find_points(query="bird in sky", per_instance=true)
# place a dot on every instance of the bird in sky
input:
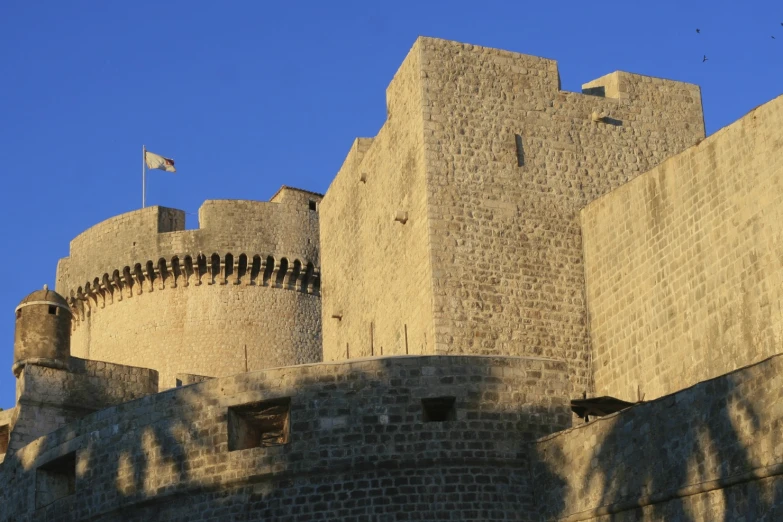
(704, 59)
(699, 30)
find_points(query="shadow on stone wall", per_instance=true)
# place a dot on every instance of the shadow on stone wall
(358, 448)
(700, 454)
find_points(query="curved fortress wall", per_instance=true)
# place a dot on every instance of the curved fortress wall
(355, 442)
(239, 293)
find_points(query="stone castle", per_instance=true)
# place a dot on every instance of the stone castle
(513, 303)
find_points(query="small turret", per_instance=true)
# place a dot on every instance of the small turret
(43, 331)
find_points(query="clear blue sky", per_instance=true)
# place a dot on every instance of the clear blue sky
(247, 96)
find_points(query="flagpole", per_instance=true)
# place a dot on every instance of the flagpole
(143, 176)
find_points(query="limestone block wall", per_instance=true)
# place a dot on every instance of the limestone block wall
(684, 265)
(711, 452)
(6, 420)
(377, 284)
(239, 293)
(359, 446)
(496, 163)
(510, 161)
(50, 398)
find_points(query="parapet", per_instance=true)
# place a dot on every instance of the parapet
(387, 423)
(49, 398)
(284, 228)
(702, 450)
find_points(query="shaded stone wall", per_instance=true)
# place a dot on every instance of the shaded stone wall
(710, 452)
(49, 398)
(358, 446)
(242, 292)
(684, 265)
(6, 420)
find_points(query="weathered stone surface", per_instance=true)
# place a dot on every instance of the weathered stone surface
(710, 452)
(456, 328)
(684, 265)
(358, 446)
(492, 163)
(142, 297)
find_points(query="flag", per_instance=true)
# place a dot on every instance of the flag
(159, 162)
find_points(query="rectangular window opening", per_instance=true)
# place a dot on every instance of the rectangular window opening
(18, 313)
(52, 310)
(313, 205)
(438, 409)
(260, 424)
(5, 438)
(55, 480)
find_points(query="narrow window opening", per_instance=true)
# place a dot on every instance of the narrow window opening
(520, 150)
(438, 409)
(313, 205)
(259, 424)
(52, 310)
(5, 437)
(19, 313)
(55, 480)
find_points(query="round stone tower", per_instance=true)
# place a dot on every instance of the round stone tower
(239, 293)
(43, 331)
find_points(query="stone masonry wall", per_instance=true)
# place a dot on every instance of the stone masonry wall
(495, 164)
(358, 447)
(286, 229)
(214, 330)
(241, 292)
(50, 398)
(510, 160)
(6, 420)
(710, 452)
(377, 277)
(685, 264)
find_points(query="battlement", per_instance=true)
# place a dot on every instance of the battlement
(284, 228)
(473, 69)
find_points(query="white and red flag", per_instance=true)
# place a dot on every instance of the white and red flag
(155, 161)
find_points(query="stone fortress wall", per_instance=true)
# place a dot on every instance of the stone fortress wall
(685, 264)
(382, 304)
(50, 398)
(359, 444)
(456, 229)
(239, 293)
(713, 451)
(489, 162)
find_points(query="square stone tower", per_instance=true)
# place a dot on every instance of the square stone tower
(456, 229)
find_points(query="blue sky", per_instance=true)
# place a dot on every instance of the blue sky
(247, 96)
